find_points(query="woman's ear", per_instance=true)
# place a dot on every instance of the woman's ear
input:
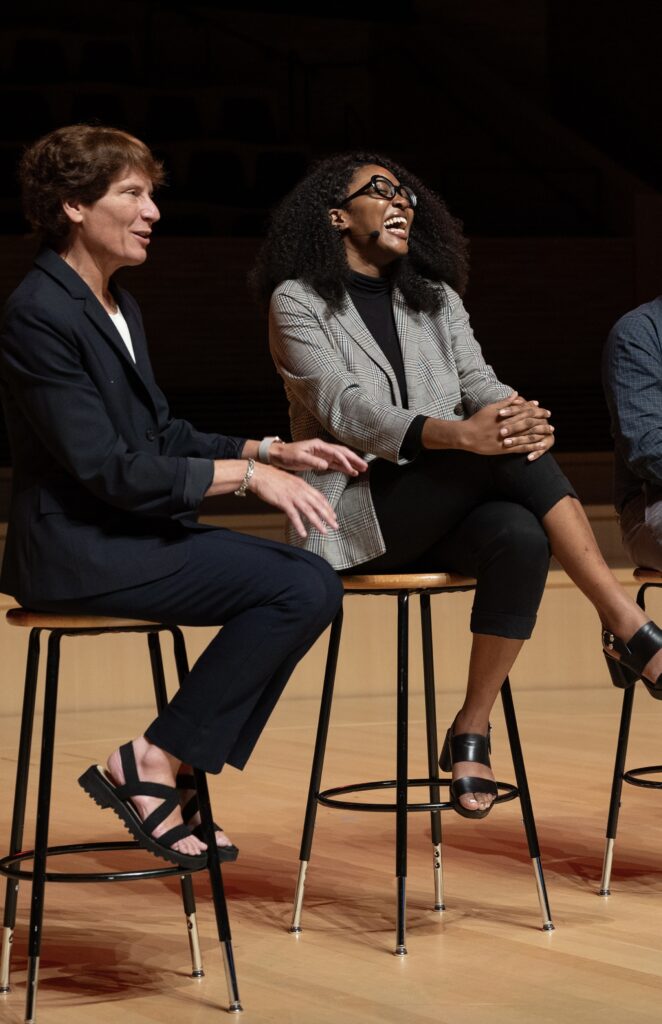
(338, 219)
(73, 211)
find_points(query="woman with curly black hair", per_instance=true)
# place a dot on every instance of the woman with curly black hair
(364, 268)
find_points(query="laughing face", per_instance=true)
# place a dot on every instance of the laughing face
(375, 229)
(115, 230)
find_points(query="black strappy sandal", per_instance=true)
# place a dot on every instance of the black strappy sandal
(186, 781)
(468, 746)
(633, 657)
(98, 784)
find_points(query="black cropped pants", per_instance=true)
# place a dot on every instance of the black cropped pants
(477, 515)
(272, 600)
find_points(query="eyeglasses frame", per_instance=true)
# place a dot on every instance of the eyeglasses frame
(402, 190)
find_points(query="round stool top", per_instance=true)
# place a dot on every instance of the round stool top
(55, 620)
(407, 581)
(647, 576)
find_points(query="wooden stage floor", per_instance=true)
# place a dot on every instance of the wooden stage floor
(119, 952)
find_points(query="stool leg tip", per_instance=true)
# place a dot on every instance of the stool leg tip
(4, 989)
(400, 951)
(548, 927)
(439, 907)
(235, 1007)
(604, 892)
(198, 974)
(296, 929)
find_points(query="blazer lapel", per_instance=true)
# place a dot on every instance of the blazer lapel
(351, 322)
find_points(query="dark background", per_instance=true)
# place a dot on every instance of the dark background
(537, 121)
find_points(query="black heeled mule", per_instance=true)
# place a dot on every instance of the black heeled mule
(633, 657)
(468, 746)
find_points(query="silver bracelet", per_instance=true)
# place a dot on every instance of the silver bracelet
(241, 489)
(265, 445)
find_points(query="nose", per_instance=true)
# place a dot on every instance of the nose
(150, 211)
(400, 202)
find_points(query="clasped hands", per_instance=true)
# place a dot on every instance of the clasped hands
(512, 425)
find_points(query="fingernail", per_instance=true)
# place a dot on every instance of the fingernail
(508, 440)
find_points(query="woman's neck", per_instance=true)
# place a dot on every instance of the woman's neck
(96, 277)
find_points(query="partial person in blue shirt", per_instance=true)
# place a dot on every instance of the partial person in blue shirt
(632, 378)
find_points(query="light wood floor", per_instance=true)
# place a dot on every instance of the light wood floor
(119, 952)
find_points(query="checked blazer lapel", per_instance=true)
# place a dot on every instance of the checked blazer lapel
(351, 322)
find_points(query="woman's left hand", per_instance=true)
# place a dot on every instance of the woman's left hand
(316, 454)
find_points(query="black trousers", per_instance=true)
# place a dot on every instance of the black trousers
(473, 514)
(273, 602)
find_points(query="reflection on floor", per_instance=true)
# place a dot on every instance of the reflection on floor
(120, 952)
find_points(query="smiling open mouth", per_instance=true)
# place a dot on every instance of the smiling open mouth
(397, 226)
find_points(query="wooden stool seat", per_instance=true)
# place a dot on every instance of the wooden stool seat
(414, 582)
(647, 575)
(12, 866)
(403, 586)
(55, 620)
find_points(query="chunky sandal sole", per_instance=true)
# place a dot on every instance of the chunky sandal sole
(99, 787)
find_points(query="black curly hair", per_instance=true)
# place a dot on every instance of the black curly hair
(301, 242)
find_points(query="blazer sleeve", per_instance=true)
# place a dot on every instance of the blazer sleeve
(317, 375)
(45, 376)
(632, 378)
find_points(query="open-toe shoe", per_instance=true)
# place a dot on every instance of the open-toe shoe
(98, 784)
(633, 657)
(468, 746)
(186, 781)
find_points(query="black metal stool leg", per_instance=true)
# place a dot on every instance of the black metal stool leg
(188, 898)
(401, 772)
(525, 803)
(218, 893)
(433, 751)
(20, 797)
(41, 833)
(616, 789)
(317, 766)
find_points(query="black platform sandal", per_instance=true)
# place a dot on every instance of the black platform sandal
(468, 746)
(98, 784)
(633, 657)
(185, 781)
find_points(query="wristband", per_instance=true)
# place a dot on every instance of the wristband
(241, 489)
(265, 445)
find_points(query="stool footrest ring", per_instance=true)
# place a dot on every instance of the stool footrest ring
(631, 776)
(329, 797)
(7, 864)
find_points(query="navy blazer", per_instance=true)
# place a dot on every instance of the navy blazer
(105, 482)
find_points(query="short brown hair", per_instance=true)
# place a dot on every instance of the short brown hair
(77, 163)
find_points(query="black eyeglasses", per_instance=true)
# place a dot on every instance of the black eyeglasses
(385, 189)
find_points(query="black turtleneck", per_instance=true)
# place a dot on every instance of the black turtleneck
(372, 298)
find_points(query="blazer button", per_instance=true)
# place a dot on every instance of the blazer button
(150, 434)
(459, 409)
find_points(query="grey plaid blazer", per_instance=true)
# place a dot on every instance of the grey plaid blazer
(341, 387)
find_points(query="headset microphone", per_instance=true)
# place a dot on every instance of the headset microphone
(374, 234)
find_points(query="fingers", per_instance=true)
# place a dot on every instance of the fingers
(313, 506)
(529, 434)
(318, 455)
(531, 412)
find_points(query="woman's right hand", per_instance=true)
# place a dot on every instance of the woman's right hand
(294, 497)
